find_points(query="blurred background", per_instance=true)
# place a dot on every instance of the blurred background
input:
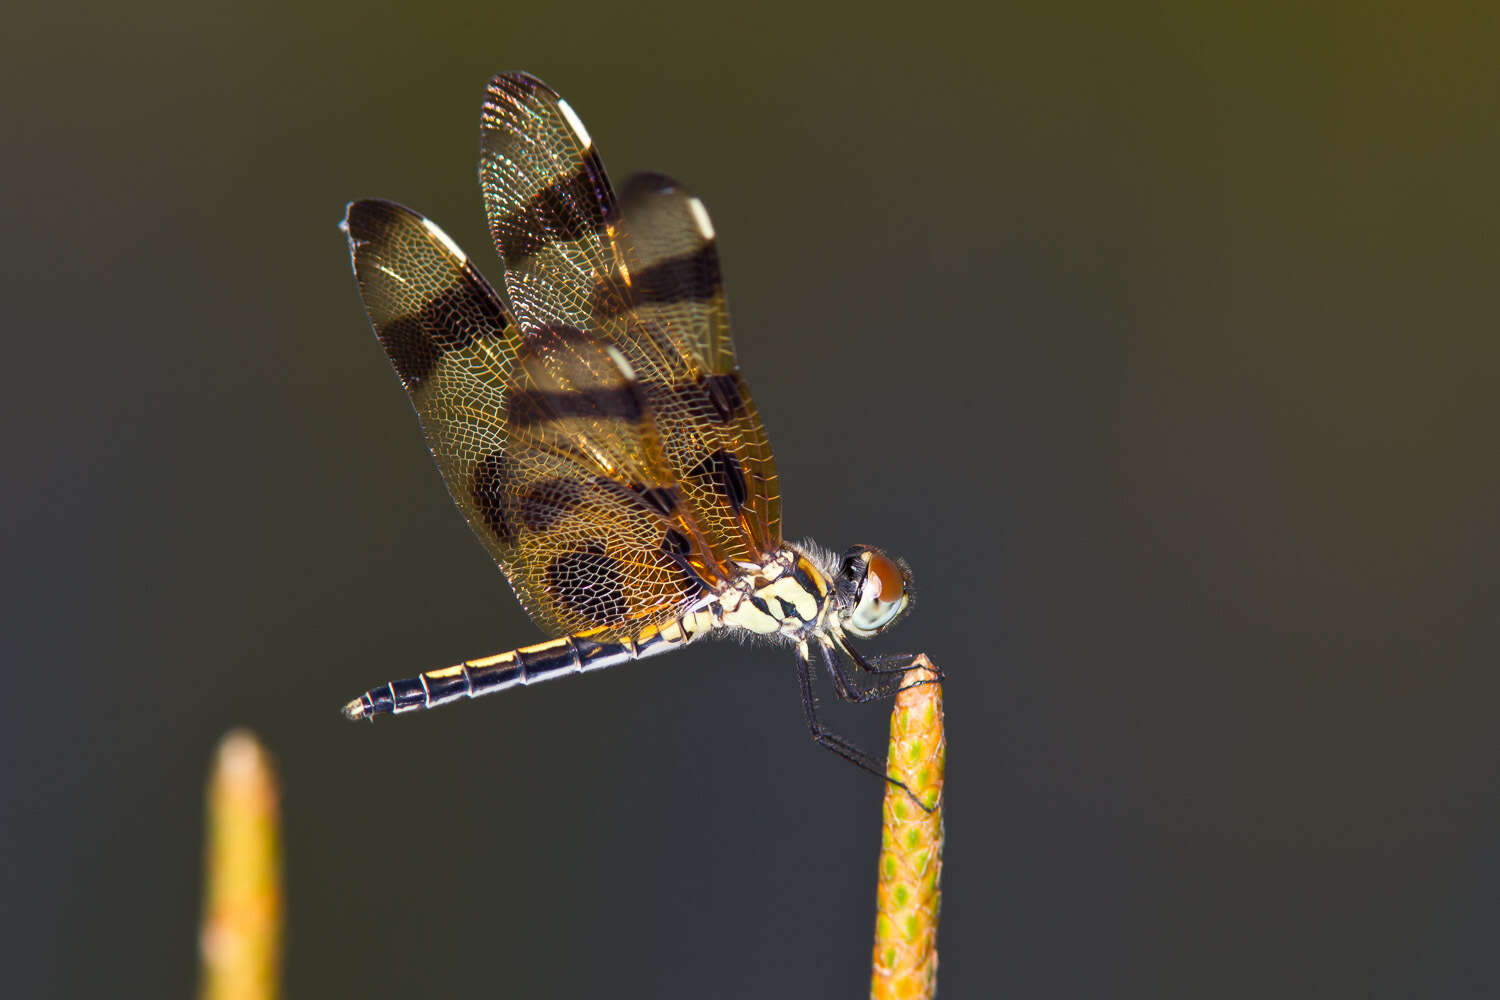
(1160, 340)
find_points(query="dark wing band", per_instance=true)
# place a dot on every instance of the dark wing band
(581, 551)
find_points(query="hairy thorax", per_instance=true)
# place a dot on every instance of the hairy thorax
(784, 597)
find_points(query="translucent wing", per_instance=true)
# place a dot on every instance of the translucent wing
(548, 202)
(641, 276)
(597, 436)
(667, 269)
(671, 276)
(521, 438)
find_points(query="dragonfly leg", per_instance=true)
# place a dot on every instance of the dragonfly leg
(895, 663)
(832, 741)
(886, 665)
(886, 687)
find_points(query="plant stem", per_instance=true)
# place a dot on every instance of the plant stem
(240, 941)
(911, 844)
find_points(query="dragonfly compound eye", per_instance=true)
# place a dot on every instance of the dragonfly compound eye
(875, 588)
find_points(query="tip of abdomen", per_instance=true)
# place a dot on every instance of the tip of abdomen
(358, 709)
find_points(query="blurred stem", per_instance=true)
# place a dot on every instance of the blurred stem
(907, 892)
(240, 942)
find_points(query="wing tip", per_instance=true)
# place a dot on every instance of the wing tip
(521, 79)
(364, 217)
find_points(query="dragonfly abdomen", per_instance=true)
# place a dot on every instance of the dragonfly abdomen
(574, 654)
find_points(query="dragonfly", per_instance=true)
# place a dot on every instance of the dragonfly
(594, 427)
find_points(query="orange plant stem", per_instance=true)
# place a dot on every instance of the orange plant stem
(908, 890)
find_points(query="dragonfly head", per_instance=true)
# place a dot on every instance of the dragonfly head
(873, 590)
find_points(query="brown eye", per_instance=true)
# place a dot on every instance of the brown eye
(889, 576)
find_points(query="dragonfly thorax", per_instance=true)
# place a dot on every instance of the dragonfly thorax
(796, 592)
(787, 595)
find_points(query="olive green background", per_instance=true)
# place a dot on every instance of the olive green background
(1161, 340)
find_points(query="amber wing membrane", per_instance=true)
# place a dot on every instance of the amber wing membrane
(667, 266)
(581, 553)
(642, 276)
(548, 201)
